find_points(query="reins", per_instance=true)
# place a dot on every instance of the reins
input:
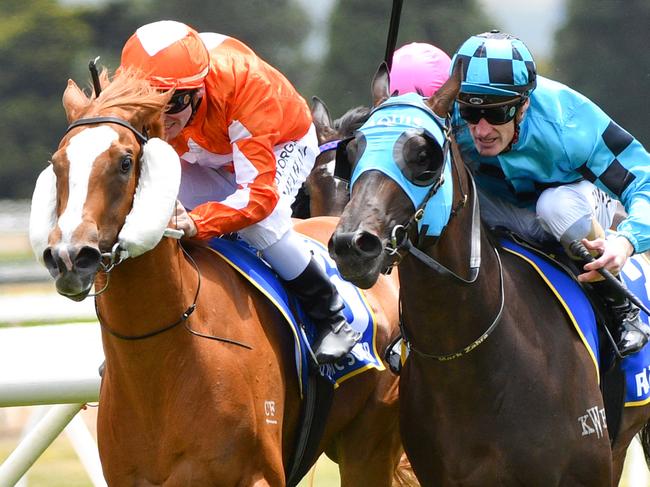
(396, 244)
(465, 350)
(183, 318)
(404, 244)
(186, 314)
(117, 255)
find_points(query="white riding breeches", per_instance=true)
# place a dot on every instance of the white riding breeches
(563, 213)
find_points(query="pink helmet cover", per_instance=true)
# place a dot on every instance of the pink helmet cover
(419, 67)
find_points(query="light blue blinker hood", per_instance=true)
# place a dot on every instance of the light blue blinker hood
(383, 130)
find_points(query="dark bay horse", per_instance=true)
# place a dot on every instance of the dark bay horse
(326, 193)
(497, 387)
(199, 386)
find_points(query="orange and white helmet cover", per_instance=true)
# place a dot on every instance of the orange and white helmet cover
(169, 53)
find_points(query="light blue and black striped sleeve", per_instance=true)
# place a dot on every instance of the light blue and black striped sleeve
(607, 155)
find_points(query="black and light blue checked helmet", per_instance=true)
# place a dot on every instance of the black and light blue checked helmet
(496, 67)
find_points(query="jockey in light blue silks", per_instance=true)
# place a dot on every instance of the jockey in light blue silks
(548, 162)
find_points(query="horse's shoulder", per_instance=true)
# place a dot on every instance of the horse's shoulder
(319, 228)
(207, 260)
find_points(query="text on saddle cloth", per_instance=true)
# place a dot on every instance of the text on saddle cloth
(358, 313)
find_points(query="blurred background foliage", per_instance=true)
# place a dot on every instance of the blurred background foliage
(600, 51)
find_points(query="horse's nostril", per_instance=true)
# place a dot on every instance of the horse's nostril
(50, 262)
(368, 244)
(342, 242)
(87, 258)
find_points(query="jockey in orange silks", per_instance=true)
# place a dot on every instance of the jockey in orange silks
(246, 142)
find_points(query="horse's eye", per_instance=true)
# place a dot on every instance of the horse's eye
(419, 157)
(125, 163)
(423, 157)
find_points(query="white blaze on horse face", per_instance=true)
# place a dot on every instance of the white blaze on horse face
(331, 166)
(82, 151)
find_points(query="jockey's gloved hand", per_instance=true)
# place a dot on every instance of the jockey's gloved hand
(612, 254)
(183, 221)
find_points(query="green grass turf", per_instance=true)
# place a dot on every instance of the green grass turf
(59, 466)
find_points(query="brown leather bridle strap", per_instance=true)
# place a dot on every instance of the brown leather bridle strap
(93, 120)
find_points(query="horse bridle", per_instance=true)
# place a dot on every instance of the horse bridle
(332, 145)
(142, 137)
(117, 255)
(398, 245)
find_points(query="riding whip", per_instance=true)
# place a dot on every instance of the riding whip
(92, 66)
(578, 249)
(393, 28)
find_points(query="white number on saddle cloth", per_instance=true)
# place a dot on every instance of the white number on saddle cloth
(636, 274)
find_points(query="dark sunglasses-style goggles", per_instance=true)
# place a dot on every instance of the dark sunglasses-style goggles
(494, 115)
(179, 101)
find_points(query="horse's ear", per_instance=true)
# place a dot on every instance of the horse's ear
(74, 101)
(380, 86)
(442, 101)
(320, 113)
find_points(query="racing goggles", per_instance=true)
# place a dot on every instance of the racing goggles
(494, 115)
(179, 101)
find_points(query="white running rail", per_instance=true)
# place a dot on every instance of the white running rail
(55, 365)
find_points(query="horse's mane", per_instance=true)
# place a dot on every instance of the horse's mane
(352, 120)
(129, 91)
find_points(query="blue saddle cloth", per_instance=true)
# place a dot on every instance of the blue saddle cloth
(358, 313)
(635, 274)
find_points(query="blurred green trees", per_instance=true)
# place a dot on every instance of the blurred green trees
(602, 52)
(274, 29)
(358, 30)
(39, 43)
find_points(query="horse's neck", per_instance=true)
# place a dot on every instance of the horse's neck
(146, 294)
(446, 313)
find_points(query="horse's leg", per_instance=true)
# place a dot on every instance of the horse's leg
(368, 450)
(634, 419)
(258, 483)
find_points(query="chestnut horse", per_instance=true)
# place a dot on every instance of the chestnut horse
(497, 380)
(214, 401)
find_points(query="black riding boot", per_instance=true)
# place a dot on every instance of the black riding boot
(322, 302)
(631, 333)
